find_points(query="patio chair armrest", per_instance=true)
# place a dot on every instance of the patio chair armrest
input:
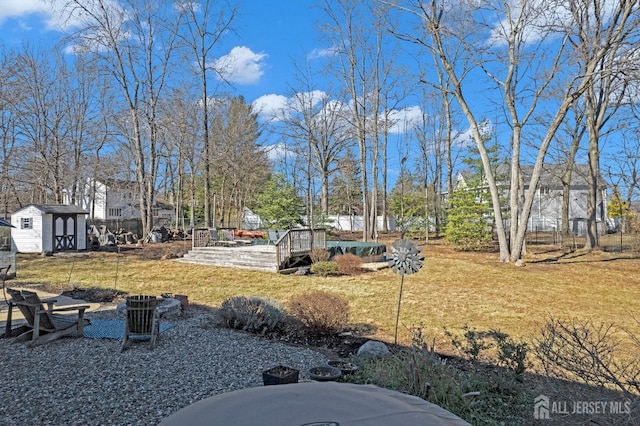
(80, 308)
(49, 302)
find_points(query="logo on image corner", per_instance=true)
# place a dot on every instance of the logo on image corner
(541, 407)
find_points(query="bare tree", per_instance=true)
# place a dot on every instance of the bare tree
(180, 136)
(318, 122)
(132, 42)
(8, 143)
(598, 27)
(205, 25)
(509, 55)
(46, 122)
(353, 45)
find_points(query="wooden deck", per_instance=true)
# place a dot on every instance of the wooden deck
(253, 257)
(288, 253)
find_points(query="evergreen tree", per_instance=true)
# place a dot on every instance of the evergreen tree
(467, 224)
(407, 203)
(470, 214)
(278, 204)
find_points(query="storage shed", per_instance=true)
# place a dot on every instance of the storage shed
(49, 228)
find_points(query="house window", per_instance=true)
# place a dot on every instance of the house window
(115, 212)
(26, 223)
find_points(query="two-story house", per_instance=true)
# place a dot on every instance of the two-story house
(118, 200)
(546, 212)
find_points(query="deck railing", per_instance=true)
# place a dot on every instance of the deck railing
(294, 244)
(299, 242)
(200, 237)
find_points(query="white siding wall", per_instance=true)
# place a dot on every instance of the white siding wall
(99, 203)
(47, 233)
(39, 239)
(81, 232)
(27, 240)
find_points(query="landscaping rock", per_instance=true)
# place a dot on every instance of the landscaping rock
(303, 270)
(373, 349)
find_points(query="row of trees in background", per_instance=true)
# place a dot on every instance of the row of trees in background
(137, 92)
(113, 101)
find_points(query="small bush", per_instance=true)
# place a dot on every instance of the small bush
(252, 314)
(479, 395)
(319, 255)
(510, 353)
(320, 312)
(348, 264)
(589, 352)
(473, 342)
(325, 268)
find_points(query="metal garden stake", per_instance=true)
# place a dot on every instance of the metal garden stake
(406, 259)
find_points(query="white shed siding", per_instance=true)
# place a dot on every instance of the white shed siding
(41, 238)
(81, 233)
(27, 240)
(47, 233)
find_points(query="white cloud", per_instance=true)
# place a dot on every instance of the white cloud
(305, 100)
(20, 8)
(56, 15)
(327, 52)
(241, 65)
(406, 119)
(272, 107)
(279, 151)
(278, 107)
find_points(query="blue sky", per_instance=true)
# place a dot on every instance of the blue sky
(270, 36)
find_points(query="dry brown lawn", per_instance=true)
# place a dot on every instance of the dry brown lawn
(452, 290)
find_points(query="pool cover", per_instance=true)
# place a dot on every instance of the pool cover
(359, 248)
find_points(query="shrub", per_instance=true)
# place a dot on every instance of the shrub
(473, 342)
(589, 352)
(252, 314)
(320, 312)
(348, 264)
(478, 394)
(325, 268)
(510, 353)
(319, 255)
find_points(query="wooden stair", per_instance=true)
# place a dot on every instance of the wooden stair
(253, 257)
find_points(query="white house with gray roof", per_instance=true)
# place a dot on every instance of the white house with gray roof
(49, 228)
(546, 212)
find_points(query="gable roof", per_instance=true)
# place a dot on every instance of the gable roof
(57, 209)
(552, 174)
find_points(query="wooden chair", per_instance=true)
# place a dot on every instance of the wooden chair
(45, 325)
(142, 319)
(228, 238)
(213, 237)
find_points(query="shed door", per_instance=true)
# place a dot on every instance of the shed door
(64, 228)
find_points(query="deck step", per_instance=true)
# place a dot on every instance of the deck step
(259, 258)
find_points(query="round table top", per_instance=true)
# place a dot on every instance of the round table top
(314, 403)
